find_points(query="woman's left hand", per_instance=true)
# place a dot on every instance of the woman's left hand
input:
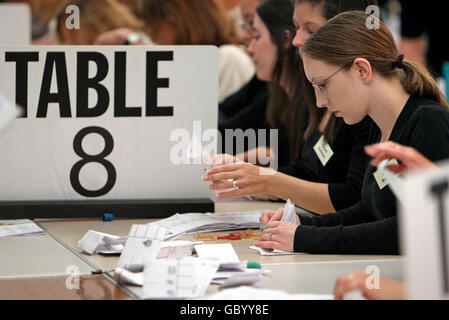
(278, 235)
(249, 179)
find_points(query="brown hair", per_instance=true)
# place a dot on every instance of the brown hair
(197, 22)
(346, 37)
(290, 113)
(99, 16)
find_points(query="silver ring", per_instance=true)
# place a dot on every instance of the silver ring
(234, 184)
(271, 236)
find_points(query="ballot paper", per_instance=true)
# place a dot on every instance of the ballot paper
(142, 246)
(251, 293)
(8, 112)
(208, 222)
(98, 242)
(394, 181)
(175, 249)
(275, 252)
(14, 228)
(289, 214)
(198, 155)
(224, 253)
(187, 277)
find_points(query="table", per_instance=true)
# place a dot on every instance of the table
(305, 273)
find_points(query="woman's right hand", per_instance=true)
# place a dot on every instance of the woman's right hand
(271, 216)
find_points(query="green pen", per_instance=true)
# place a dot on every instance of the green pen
(253, 265)
(263, 228)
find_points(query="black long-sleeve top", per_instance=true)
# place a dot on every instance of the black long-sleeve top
(370, 226)
(344, 171)
(246, 109)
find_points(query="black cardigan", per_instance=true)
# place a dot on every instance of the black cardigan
(344, 171)
(370, 227)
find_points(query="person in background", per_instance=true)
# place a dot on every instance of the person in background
(200, 22)
(316, 185)
(357, 72)
(96, 17)
(424, 34)
(254, 94)
(235, 14)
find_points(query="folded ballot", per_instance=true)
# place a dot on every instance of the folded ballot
(99, 242)
(208, 222)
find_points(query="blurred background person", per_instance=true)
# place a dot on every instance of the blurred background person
(200, 22)
(96, 17)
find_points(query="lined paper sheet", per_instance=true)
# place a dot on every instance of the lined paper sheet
(187, 277)
(142, 246)
(15, 228)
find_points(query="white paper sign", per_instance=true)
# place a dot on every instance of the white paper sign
(424, 230)
(106, 122)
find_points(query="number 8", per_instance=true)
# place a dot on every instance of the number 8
(86, 158)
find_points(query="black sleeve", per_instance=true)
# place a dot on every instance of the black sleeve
(345, 194)
(377, 237)
(350, 216)
(351, 231)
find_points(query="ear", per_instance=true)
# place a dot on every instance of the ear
(363, 69)
(288, 38)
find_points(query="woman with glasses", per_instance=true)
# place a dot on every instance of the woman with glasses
(325, 158)
(358, 72)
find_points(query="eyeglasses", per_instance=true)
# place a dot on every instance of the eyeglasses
(247, 26)
(320, 87)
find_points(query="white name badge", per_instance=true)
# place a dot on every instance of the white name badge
(323, 150)
(103, 122)
(381, 180)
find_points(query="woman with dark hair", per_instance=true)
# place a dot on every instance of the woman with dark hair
(358, 72)
(326, 161)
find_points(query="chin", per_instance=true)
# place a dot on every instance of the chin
(351, 121)
(263, 77)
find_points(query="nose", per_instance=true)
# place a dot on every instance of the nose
(300, 38)
(251, 47)
(321, 100)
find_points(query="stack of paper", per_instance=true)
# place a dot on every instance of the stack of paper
(14, 228)
(209, 222)
(231, 271)
(187, 277)
(250, 293)
(142, 246)
(98, 242)
(221, 252)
